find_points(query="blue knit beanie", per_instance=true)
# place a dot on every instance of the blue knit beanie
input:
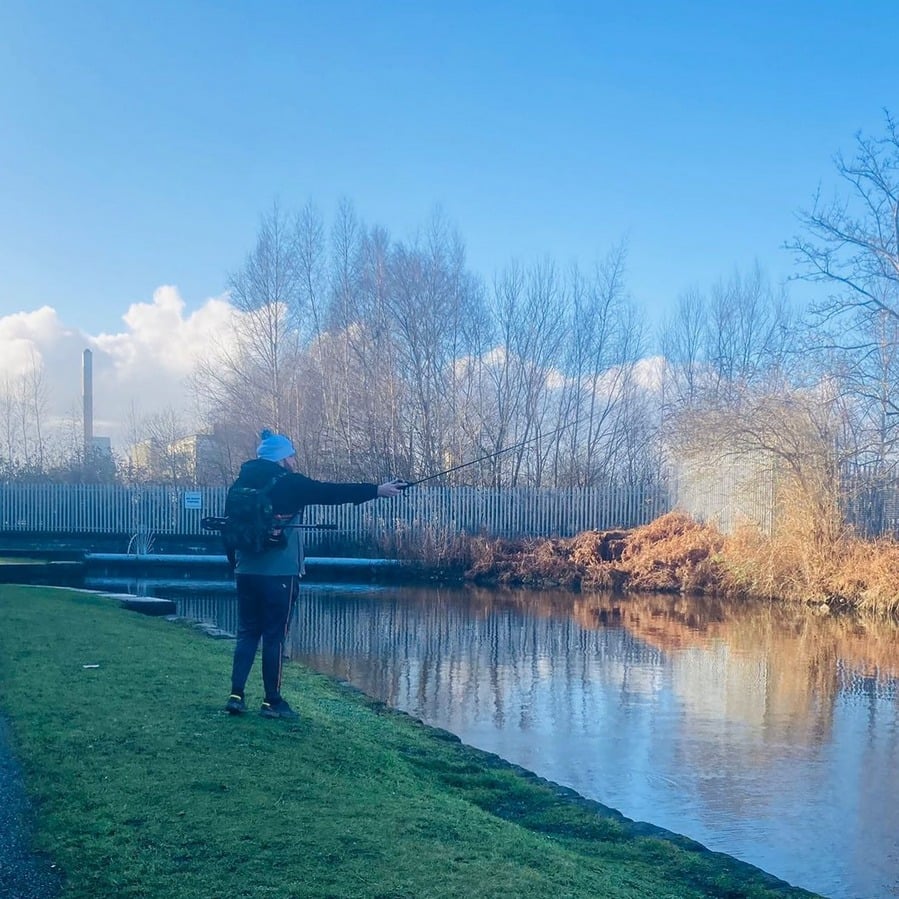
(274, 447)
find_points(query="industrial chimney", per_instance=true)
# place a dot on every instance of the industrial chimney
(87, 396)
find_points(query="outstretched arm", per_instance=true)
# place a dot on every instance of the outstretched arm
(296, 490)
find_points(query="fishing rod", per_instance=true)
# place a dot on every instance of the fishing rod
(507, 449)
(215, 523)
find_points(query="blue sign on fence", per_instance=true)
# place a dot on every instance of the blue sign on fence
(193, 499)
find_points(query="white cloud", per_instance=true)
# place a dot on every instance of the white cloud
(159, 334)
(24, 336)
(650, 372)
(143, 366)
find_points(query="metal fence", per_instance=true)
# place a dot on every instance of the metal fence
(871, 504)
(514, 512)
(728, 492)
(724, 496)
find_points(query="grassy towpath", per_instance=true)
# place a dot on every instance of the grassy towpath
(144, 787)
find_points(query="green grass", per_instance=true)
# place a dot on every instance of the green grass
(144, 787)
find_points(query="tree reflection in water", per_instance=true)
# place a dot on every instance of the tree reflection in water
(765, 731)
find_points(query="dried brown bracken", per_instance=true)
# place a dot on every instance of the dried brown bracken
(672, 554)
(676, 554)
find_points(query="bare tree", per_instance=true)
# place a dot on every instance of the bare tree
(516, 376)
(384, 404)
(268, 292)
(738, 337)
(603, 345)
(430, 299)
(257, 368)
(373, 352)
(501, 392)
(539, 336)
(851, 243)
(790, 437)
(9, 412)
(34, 401)
(682, 343)
(850, 246)
(338, 403)
(731, 400)
(311, 386)
(750, 332)
(158, 440)
(23, 408)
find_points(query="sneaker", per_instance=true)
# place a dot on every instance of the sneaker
(235, 704)
(278, 709)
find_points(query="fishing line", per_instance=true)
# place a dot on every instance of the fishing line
(507, 449)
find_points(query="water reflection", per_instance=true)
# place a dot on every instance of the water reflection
(765, 732)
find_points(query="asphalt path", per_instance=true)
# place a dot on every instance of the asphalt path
(24, 874)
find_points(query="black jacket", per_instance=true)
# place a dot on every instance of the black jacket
(290, 495)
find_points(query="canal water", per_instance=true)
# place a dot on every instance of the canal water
(765, 732)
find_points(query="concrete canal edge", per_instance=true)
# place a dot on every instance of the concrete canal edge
(215, 567)
(103, 569)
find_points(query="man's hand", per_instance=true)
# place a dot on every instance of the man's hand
(392, 488)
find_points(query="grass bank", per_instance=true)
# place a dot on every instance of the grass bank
(144, 787)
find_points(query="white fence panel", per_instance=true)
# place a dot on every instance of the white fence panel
(516, 512)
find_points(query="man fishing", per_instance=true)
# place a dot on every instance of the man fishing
(268, 575)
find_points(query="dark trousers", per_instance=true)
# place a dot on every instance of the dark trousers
(263, 611)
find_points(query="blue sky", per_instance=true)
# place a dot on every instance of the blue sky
(141, 142)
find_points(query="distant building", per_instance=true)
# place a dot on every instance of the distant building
(197, 459)
(201, 456)
(146, 457)
(97, 447)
